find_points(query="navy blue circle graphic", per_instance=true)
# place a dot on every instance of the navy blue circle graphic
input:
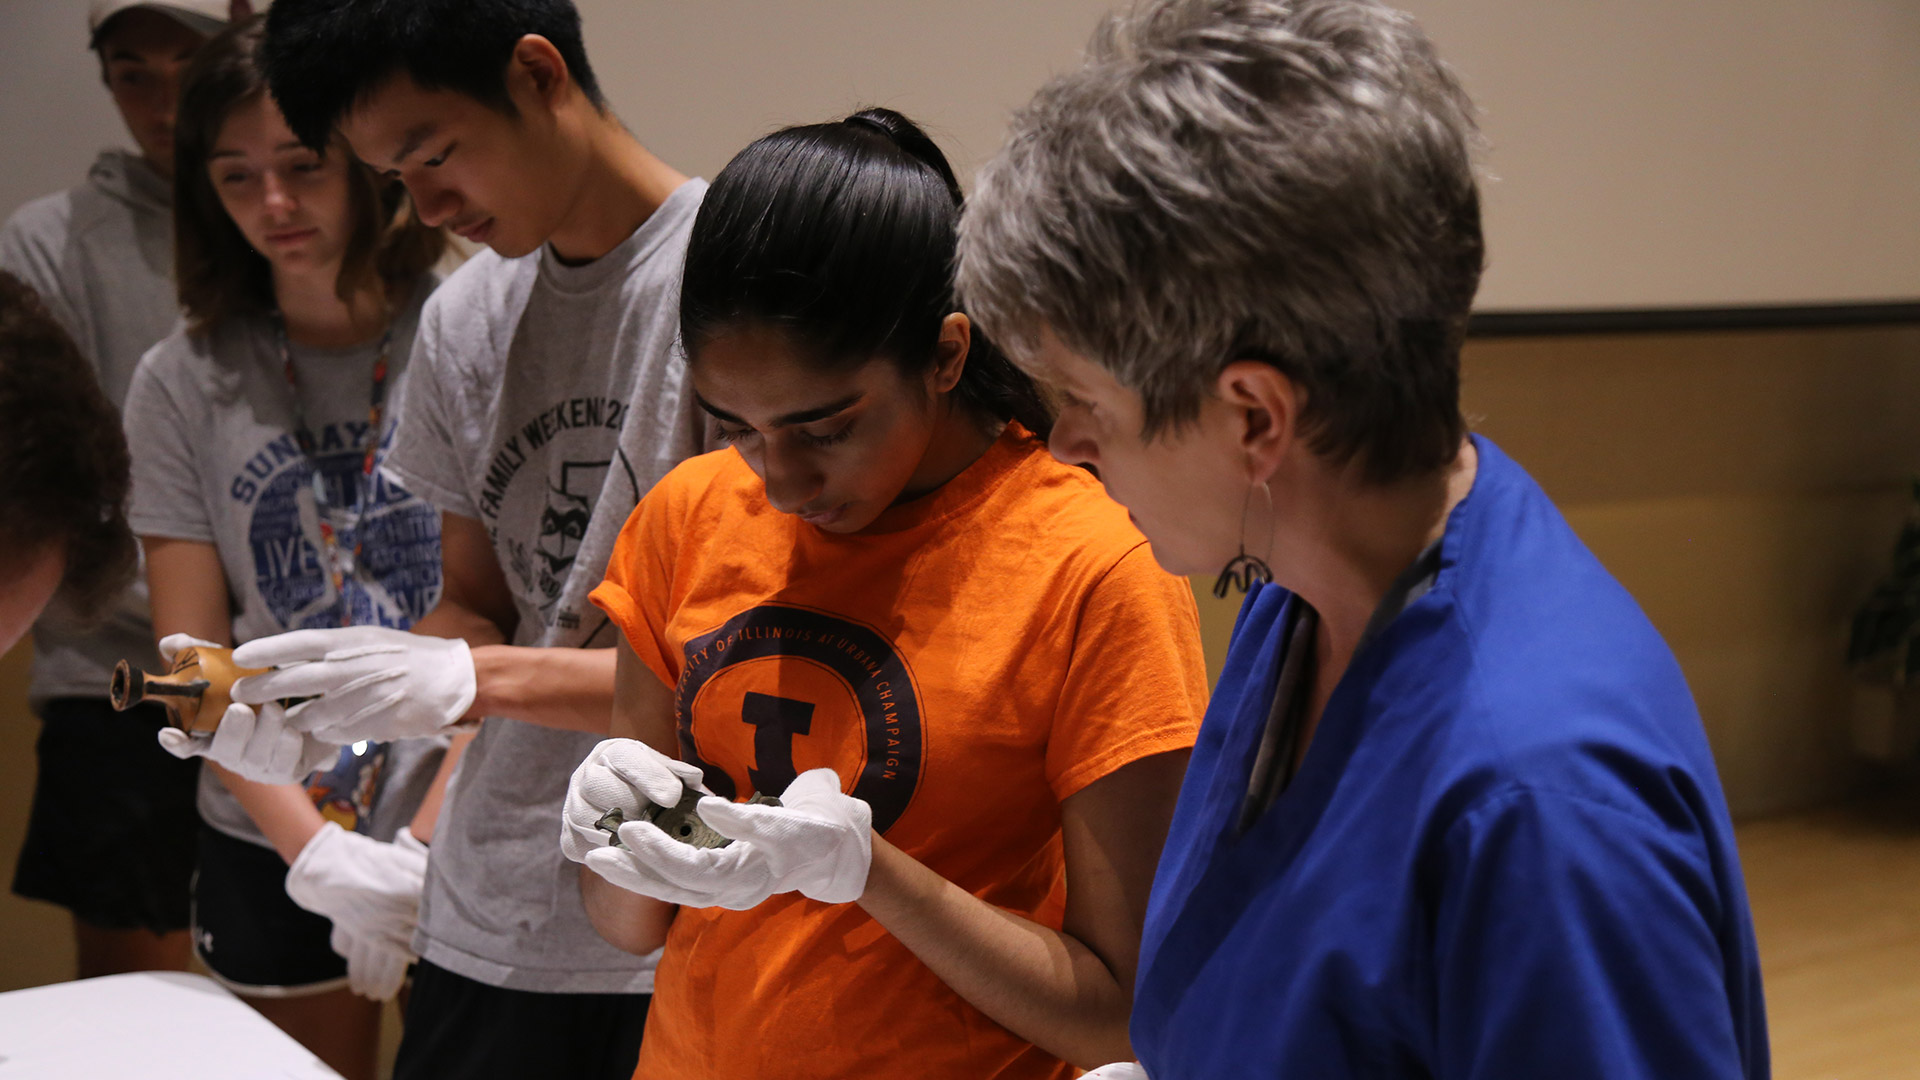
(881, 683)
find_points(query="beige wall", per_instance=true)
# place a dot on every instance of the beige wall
(1654, 153)
(1643, 152)
(55, 114)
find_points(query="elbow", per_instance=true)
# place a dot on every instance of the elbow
(1102, 1035)
(1103, 1044)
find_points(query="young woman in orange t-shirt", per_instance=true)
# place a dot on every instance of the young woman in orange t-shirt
(951, 657)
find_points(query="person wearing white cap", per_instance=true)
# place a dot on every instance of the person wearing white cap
(111, 832)
(203, 17)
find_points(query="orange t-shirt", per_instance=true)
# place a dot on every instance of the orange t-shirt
(969, 661)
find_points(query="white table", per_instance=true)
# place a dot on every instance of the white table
(153, 1025)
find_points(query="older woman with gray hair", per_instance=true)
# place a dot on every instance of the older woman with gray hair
(1452, 812)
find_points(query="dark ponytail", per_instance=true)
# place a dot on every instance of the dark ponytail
(841, 236)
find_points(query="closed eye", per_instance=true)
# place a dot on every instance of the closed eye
(845, 432)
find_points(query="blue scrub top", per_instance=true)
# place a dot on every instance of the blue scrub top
(1505, 856)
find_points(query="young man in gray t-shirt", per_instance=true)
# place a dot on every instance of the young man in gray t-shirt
(110, 836)
(546, 398)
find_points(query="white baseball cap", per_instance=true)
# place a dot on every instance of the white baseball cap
(207, 17)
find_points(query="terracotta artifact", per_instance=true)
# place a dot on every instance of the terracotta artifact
(195, 693)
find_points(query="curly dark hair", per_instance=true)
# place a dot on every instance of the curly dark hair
(63, 456)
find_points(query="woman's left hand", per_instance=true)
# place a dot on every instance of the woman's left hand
(817, 842)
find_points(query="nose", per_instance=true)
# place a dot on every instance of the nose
(792, 481)
(1071, 443)
(167, 94)
(280, 202)
(435, 205)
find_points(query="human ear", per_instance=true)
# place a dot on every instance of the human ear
(1266, 408)
(539, 68)
(950, 353)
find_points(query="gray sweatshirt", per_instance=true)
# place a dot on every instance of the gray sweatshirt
(101, 257)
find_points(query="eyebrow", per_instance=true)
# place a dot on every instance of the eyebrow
(415, 137)
(804, 416)
(294, 145)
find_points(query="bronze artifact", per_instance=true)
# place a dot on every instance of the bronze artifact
(678, 821)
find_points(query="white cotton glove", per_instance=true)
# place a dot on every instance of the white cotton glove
(817, 842)
(257, 744)
(374, 970)
(624, 775)
(1119, 1070)
(367, 682)
(371, 891)
(171, 645)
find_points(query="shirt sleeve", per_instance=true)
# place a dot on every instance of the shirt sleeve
(168, 497)
(1136, 685)
(1576, 940)
(425, 456)
(637, 591)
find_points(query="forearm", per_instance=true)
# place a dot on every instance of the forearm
(570, 689)
(638, 924)
(451, 619)
(284, 813)
(1041, 984)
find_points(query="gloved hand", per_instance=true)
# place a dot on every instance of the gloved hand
(374, 970)
(367, 682)
(624, 775)
(1119, 1070)
(258, 745)
(371, 891)
(817, 842)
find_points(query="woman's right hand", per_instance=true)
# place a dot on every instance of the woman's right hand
(625, 775)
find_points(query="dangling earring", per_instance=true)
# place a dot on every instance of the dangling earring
(1246, 569)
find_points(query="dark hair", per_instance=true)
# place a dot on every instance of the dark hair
(217, 272)
(323, 56)
(841, 237)
(63, 455)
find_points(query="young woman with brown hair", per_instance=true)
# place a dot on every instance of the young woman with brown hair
(260, 503)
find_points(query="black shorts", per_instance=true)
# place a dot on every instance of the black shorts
(459, 1027)
(111, 833)
(251, 936)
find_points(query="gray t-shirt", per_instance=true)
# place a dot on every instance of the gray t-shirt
(219, 463)
(101, 257)
(546, 400)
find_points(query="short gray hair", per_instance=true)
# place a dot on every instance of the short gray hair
(1286, 180)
